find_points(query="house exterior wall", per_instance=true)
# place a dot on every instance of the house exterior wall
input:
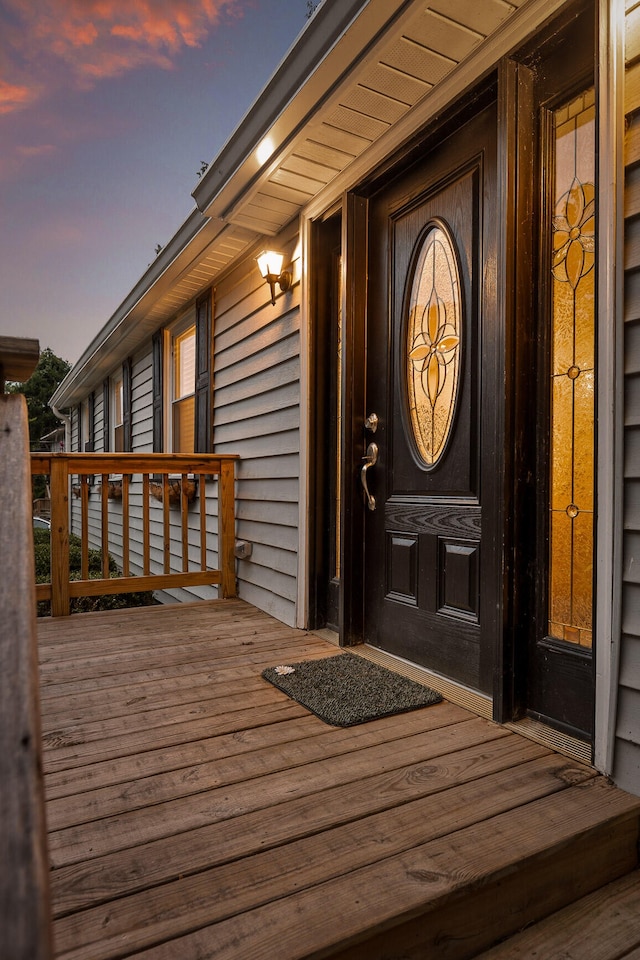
(626, 770)
(256, 373)
(257, 415)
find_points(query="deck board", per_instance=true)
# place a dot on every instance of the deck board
(197, 775)
(602, 926)
(195, 811)
(265, 877)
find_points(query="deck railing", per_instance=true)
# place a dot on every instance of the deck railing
(25, 914)
(106, 486)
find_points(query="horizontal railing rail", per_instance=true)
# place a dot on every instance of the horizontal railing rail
(119, 478)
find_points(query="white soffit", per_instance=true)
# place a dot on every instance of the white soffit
(422, 46)
(338, 124)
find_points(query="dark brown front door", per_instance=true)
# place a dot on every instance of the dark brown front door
(433, 440)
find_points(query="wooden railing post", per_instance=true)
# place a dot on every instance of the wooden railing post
(59, 536)
(227, 528)
(25, 917)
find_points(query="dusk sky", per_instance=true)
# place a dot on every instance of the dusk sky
(107, 108)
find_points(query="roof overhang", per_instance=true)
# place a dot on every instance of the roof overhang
(362, 78)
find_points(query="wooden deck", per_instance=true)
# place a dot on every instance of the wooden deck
(194, 811)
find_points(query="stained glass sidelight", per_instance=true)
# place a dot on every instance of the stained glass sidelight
(572, 372)
(434, 334)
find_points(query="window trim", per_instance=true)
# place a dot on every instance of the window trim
(177, 330)
(116, 422)
(200, 315)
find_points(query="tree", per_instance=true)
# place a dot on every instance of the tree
(38, 390)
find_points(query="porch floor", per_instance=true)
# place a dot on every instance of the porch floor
(195, 811)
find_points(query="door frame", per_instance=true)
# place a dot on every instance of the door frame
(610, 69)
(515, 206)
(608, 582)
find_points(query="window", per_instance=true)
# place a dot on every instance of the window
(183, 386)
(78, 428)
(572, 373)
(118, 409)
(117, 405)
(182, 397)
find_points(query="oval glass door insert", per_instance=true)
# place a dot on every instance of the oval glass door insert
(434, 342)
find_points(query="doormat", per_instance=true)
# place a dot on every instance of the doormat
(347, 689)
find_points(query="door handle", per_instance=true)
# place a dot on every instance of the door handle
(370, 460)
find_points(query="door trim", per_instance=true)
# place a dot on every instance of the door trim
(518, 108)
(516, 254)
(355, 232)
(610, 399)
(610, 303)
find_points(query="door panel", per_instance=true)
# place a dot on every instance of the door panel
(433, 360)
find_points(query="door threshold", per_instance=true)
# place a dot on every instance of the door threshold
(554, 739)
(478, 703)
(325, 633)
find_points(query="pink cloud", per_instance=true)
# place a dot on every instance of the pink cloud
(37, 150)
(15, 96)
(96, 39)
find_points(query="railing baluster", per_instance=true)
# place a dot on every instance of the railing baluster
(202, 501)
(166, 524)
(105, 526)
(184, 519)
(146, 548)
(125, 524)
(59, 536)
(84, 527)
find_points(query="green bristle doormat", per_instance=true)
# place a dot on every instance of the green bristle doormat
(347, 689)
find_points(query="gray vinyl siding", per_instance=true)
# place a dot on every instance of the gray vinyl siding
(257, 415)
(141, 404)
(98, 421)
(626, 769)
(142, 442)
(256, 384)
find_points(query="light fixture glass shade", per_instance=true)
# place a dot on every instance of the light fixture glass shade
(270, 263)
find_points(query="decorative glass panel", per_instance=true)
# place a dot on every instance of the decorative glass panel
(572, 372)
(118, 407)
(184, 354)
(434, 343)
(184, 425)
(184, 382)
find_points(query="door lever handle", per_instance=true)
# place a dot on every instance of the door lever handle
(370, 460)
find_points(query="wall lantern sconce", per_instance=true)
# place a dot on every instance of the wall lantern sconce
(270, 267)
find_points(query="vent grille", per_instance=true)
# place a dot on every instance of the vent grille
(554, 739)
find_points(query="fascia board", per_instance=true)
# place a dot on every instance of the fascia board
(502, 42)
(105, 349)
(334, 41)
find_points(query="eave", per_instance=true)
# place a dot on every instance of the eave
(360, 80)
